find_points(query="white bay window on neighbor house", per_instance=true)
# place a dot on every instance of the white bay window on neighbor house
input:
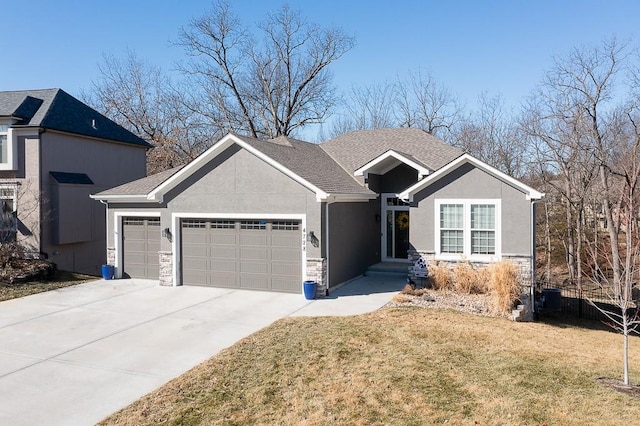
(467, 229)
(4, 148)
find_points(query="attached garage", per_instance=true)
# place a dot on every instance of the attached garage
(141, 244)
(248, 254)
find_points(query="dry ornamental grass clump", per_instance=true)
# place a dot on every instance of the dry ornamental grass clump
(504, 285)
(499, 279)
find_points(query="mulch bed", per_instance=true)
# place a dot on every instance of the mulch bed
(618, 385)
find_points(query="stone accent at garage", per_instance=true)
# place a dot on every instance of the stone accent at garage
(111, 255)
(525, 273)
(166, 268)
(317, 271)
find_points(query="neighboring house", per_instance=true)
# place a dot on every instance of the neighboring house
(54, 152)
(268, 215)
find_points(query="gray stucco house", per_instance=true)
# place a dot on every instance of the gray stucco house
(54, 152)
(270, 214)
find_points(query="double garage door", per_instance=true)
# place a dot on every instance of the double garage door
(249, 254)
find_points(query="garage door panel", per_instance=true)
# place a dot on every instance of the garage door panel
(285, 255)
(254, 267)
(281, 240)
(197, 263)
(288, 285)
(220, 265)
(230, 240)
(195, 237)
(196, 277)
(255, 254)
(281, 268)
(196, 250)
(141, 244)
(224, 252)
(220, 279)
(254, 282)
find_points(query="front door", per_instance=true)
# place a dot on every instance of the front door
(395, 231)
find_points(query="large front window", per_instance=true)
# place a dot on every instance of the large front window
(467, 228)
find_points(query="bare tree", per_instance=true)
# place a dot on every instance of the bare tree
(263, 88)
(591, 139)
(142, 99)
(493, 136)
(365, 107)
(424, 103)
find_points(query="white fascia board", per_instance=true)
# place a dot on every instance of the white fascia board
(348, 198)
(217, 148)
(122, 198)
(391, 153)
(531, 194)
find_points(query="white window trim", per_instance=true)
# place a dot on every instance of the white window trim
(466, 209)
(12, 152)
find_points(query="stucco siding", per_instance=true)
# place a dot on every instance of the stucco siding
(354, 239)
(107, 164)
(237, 182)
(469, 182)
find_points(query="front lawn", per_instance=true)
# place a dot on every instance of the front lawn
(60, 279)
(402, 366)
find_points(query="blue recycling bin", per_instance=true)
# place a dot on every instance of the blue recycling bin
(107, 272)
(310, 289)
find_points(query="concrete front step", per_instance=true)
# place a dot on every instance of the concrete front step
(388, 269)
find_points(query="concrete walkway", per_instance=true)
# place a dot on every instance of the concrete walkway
(75, 355)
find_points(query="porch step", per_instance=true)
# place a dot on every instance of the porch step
(388, 269)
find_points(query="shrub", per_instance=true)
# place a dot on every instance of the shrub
(401, 298)
(465, 278)
(504, 285)
(440, 276)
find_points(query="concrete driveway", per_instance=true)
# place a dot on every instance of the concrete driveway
(75, 355)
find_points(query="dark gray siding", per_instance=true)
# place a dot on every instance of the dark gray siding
(354, 239)
(394, 181)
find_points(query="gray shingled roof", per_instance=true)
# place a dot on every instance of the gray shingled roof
(330, 165)
(141, 186)
(354, 150)
(57, 110)
(310, 162)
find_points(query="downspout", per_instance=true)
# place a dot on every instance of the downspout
(326, 242)
(106, 214)
(532, 290)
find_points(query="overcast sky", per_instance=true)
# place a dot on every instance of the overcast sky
(502, 47)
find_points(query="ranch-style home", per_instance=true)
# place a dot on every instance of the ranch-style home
(54, 152)
(270, 214)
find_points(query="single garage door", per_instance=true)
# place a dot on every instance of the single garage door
(141, 245)
(249, 254)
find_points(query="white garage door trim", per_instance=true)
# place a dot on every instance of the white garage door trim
(177, 243)
(118, 218)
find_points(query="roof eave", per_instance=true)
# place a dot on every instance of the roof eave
(530, 193)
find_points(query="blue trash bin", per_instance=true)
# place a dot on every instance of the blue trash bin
(310, 289)
(108, 272)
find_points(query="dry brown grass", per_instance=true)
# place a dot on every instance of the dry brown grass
(61, 279)
(401, 298)
(440, 276)
(401, 366)
(468, 279)
(505, 288)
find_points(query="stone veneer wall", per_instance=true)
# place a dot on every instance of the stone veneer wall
(166, 268)
(317, 271)
(525, 275)
(111, 255)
